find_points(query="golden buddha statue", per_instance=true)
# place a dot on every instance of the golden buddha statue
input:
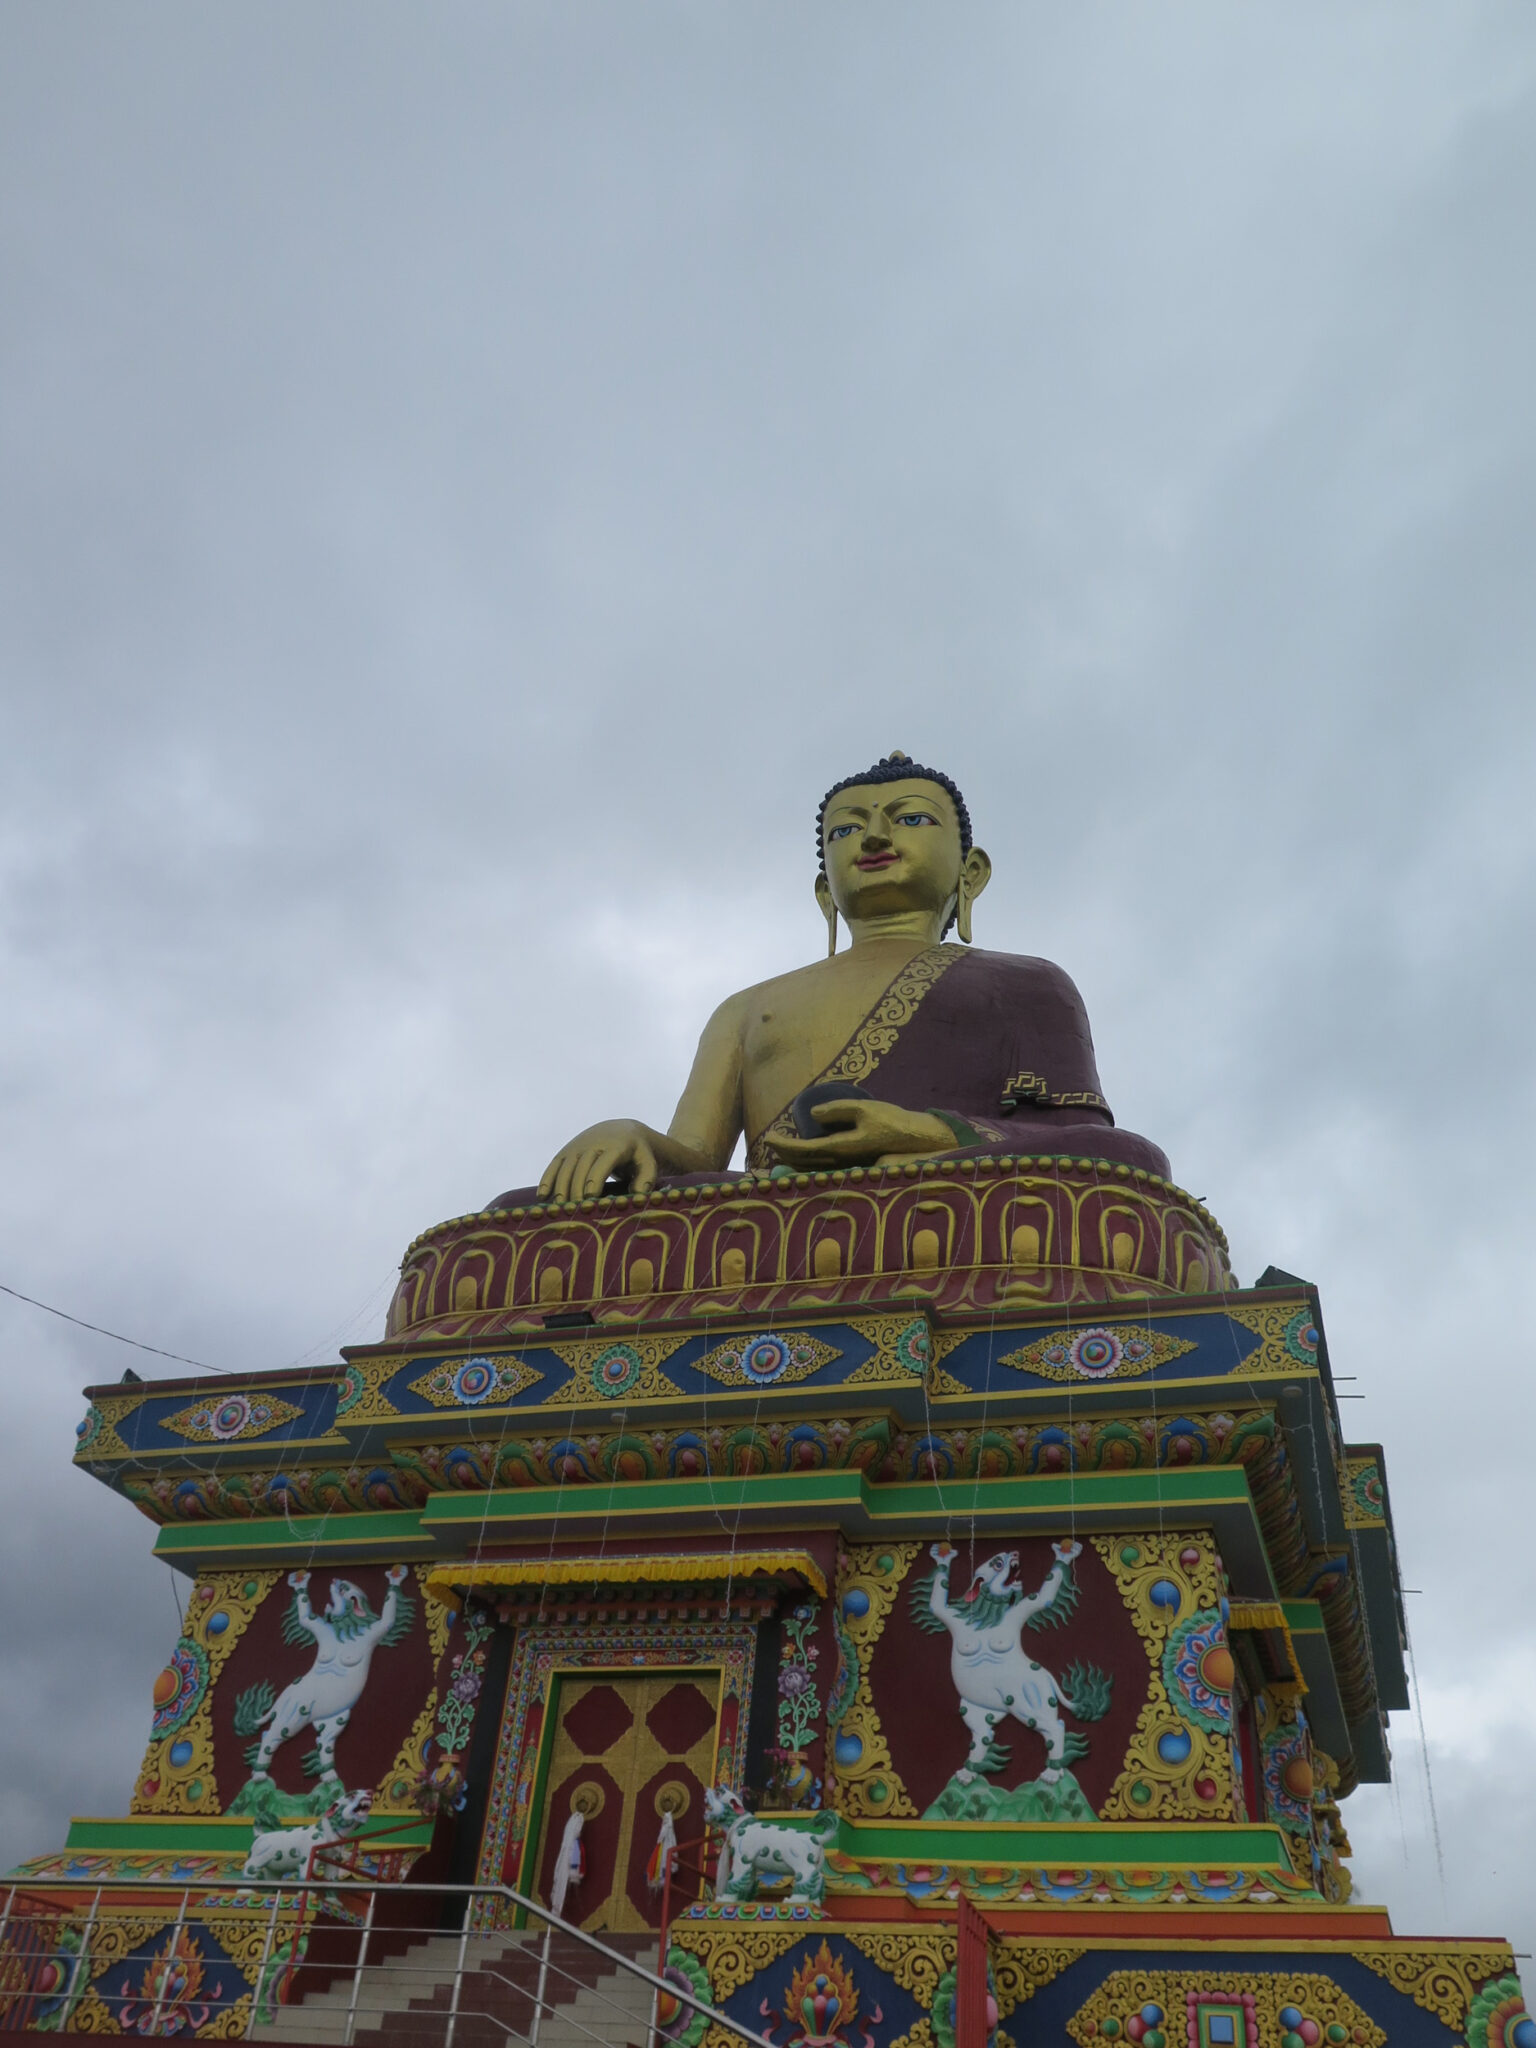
(901, 1047)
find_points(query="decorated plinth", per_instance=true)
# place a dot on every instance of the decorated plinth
(964, 1520)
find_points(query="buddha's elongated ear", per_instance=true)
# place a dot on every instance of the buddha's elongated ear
(828, 911)
(974, 877)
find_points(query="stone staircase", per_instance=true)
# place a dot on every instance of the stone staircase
(404, 2002)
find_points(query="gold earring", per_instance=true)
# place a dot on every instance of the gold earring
(829, 912)
(963, 912)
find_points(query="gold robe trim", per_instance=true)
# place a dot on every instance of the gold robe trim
(869, 1044)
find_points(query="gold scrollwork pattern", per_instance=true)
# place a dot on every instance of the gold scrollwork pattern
(409, 1763)
(1166, 1582)
(218, 1614)
(439, 1616)
(113, 1940)
(1019, 1970)
(865, 1784)
(1313, 1994)
(734, 1955)
(918, 2035)
(1287, 1338)
(1443, 1981)
(914, 1960)
(905, 1353)
(609, 1368)
(361, 1397)
(1365, 1497)
(870, 1043)
(98, 1435)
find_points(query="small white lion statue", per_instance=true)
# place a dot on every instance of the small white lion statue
(755, 1849)
(287, 1853)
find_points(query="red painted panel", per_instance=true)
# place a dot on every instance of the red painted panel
(399, 1680)
(680, 1717)
(918, 1703)
(598, 1719)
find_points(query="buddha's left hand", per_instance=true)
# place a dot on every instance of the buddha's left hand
(871, 1134)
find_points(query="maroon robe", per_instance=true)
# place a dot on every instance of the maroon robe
(998, 1040)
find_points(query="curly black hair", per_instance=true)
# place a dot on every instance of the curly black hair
(896, 768)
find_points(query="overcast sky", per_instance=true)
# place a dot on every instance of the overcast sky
(473, 475)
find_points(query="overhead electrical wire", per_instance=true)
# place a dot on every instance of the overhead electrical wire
(117, 1336)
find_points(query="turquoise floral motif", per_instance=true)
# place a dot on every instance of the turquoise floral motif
(89, 1428)
(1300, 1337)
(1497, 2017)
(1287, 1763)
(1197, 1671)
(617, 1369)
(913, 1349)
(353, 1387)
(1368, 1494)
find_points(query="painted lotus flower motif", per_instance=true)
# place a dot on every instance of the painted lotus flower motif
(822, 2005)
(171, 1993)
(1198, 1671)
(179, 1689)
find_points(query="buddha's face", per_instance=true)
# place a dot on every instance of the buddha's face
(892, 846)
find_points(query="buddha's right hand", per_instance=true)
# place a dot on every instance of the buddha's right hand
(620, 1149)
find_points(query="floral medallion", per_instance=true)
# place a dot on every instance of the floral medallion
(1498, 2018)
(767, 1360)
(1097, 1353)
(179, 1689)
(237, 1415)
(1300, 1337)
(1198, 1671)
(471, 1382)
(679, 2024)
(1288, 1778)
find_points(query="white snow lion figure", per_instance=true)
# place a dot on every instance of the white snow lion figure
(992, 1675)
(346, 1636)
(296, 1852)
(755, 1849)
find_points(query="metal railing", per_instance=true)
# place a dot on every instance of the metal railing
(337, 1957)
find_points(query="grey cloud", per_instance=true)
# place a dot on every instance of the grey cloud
(468, 489)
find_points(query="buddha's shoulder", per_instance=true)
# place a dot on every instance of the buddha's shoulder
(860, 972)
(1022, 975)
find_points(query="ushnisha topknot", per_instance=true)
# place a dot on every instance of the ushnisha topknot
(896, 767)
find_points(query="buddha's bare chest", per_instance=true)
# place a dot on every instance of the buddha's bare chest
(795, 1027)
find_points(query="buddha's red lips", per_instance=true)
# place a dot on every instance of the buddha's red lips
(876, 860)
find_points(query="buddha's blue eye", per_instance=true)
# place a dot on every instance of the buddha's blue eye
(841, 831)
(915, 818)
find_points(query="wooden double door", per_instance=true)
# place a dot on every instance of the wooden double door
(628, 1747)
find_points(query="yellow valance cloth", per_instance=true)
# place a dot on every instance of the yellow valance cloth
(1267, 1618)
(447, 1581)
